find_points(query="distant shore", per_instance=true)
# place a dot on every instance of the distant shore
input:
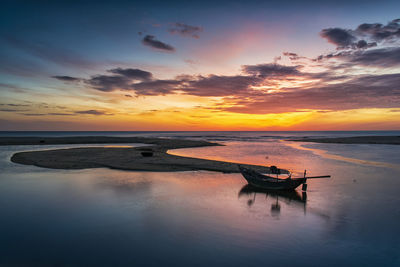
(160, 142)
(117, 157)
(382, 140)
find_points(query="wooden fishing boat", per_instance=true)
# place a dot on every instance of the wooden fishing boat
(263, 181)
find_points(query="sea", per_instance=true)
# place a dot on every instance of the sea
(106, 217)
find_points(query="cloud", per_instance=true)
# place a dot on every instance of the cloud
(271, 70)
(379, 32)
(12, 88)
(242, 93)
(8, 110)
(362, 44)
(365, 36)
(121, 80)
(149, 40)
(15, 105)
(370, 44)
(156, 87)
(340, 37)
(34, 114)
(66, 78)
(343, 83)
(185, 30)
(374, 91)
(292, 56)
(107, 83)
(211, 85)
(134, 74)
(380, 57)
(92, 112)
(190, 61)
(214, 85)
(48, 52)
(60, 114)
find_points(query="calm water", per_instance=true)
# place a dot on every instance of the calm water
(105, 217)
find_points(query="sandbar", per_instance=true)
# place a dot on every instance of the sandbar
(382, 140)
(121, 158)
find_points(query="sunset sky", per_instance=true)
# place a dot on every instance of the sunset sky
(207, 65)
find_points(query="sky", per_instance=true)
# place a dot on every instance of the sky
(204, 65)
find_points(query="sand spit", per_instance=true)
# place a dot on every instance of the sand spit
(382, 140)
(120, 158)
(160, 142)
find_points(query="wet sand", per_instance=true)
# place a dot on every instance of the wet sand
(120, 158)
(160, 142)
(382, 140)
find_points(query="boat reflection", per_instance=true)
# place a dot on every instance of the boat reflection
(287, 197)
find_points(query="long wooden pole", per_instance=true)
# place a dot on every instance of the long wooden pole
(313, 177)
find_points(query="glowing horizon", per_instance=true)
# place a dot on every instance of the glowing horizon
(251, 69)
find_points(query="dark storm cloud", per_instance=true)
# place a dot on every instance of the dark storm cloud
(66, 78)
(185, 30)
(135, 74)
(339, 37)
(149, 40)
(270, 70)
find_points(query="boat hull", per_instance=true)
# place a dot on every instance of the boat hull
(266, 182)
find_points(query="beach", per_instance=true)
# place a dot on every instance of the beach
(382, 140)
(126, 158)
(122, 158)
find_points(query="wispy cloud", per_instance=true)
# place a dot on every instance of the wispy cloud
(66, 78)
(46, 51)
(93, 112)
(149, 40)
(185, 30)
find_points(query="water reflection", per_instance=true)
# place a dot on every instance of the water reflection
(276, 197)
(103, 217)
(125, 186)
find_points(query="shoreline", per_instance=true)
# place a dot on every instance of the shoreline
(121, 158)
(167, 143)
(379, 140)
